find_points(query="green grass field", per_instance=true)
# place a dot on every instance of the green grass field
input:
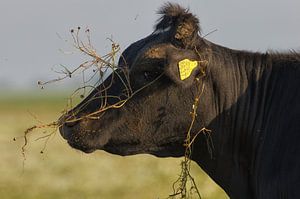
(61, 172)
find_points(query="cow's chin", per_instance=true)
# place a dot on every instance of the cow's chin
(158, 151)
(81, 148)
(74, 140)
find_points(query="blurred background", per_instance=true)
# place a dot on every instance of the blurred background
(35, 42)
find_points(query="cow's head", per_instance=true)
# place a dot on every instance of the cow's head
(162, 71)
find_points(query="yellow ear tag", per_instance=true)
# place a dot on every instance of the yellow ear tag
(186, 67)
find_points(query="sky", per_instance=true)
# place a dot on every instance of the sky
(34, 32)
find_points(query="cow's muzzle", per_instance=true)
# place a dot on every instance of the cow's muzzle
(66, 123)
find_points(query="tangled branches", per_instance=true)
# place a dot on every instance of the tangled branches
(99, 66)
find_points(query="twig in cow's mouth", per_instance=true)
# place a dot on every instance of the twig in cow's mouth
(99, 65)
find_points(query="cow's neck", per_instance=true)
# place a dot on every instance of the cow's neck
(230, 109)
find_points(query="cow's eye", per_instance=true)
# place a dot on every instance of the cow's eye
(150, 75)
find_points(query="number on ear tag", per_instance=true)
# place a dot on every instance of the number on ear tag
(186, 67)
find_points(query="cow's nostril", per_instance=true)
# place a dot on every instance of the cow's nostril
(66, 127)
(65, 132)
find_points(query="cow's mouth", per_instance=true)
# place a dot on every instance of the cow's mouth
(67, 132)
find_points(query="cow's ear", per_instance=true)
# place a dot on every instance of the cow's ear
(183, 66)
(182, 26)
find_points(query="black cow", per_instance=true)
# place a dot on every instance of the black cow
(250, 102)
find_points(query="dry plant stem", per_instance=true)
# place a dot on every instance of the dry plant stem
(101, 62)
(185, 175)
(29, 130)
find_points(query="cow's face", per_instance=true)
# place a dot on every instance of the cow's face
(156, 116)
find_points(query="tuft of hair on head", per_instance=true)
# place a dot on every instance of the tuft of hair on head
(172, 13)
(174, 17)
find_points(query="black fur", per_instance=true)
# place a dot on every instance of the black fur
(250, 103)
(182, 25)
